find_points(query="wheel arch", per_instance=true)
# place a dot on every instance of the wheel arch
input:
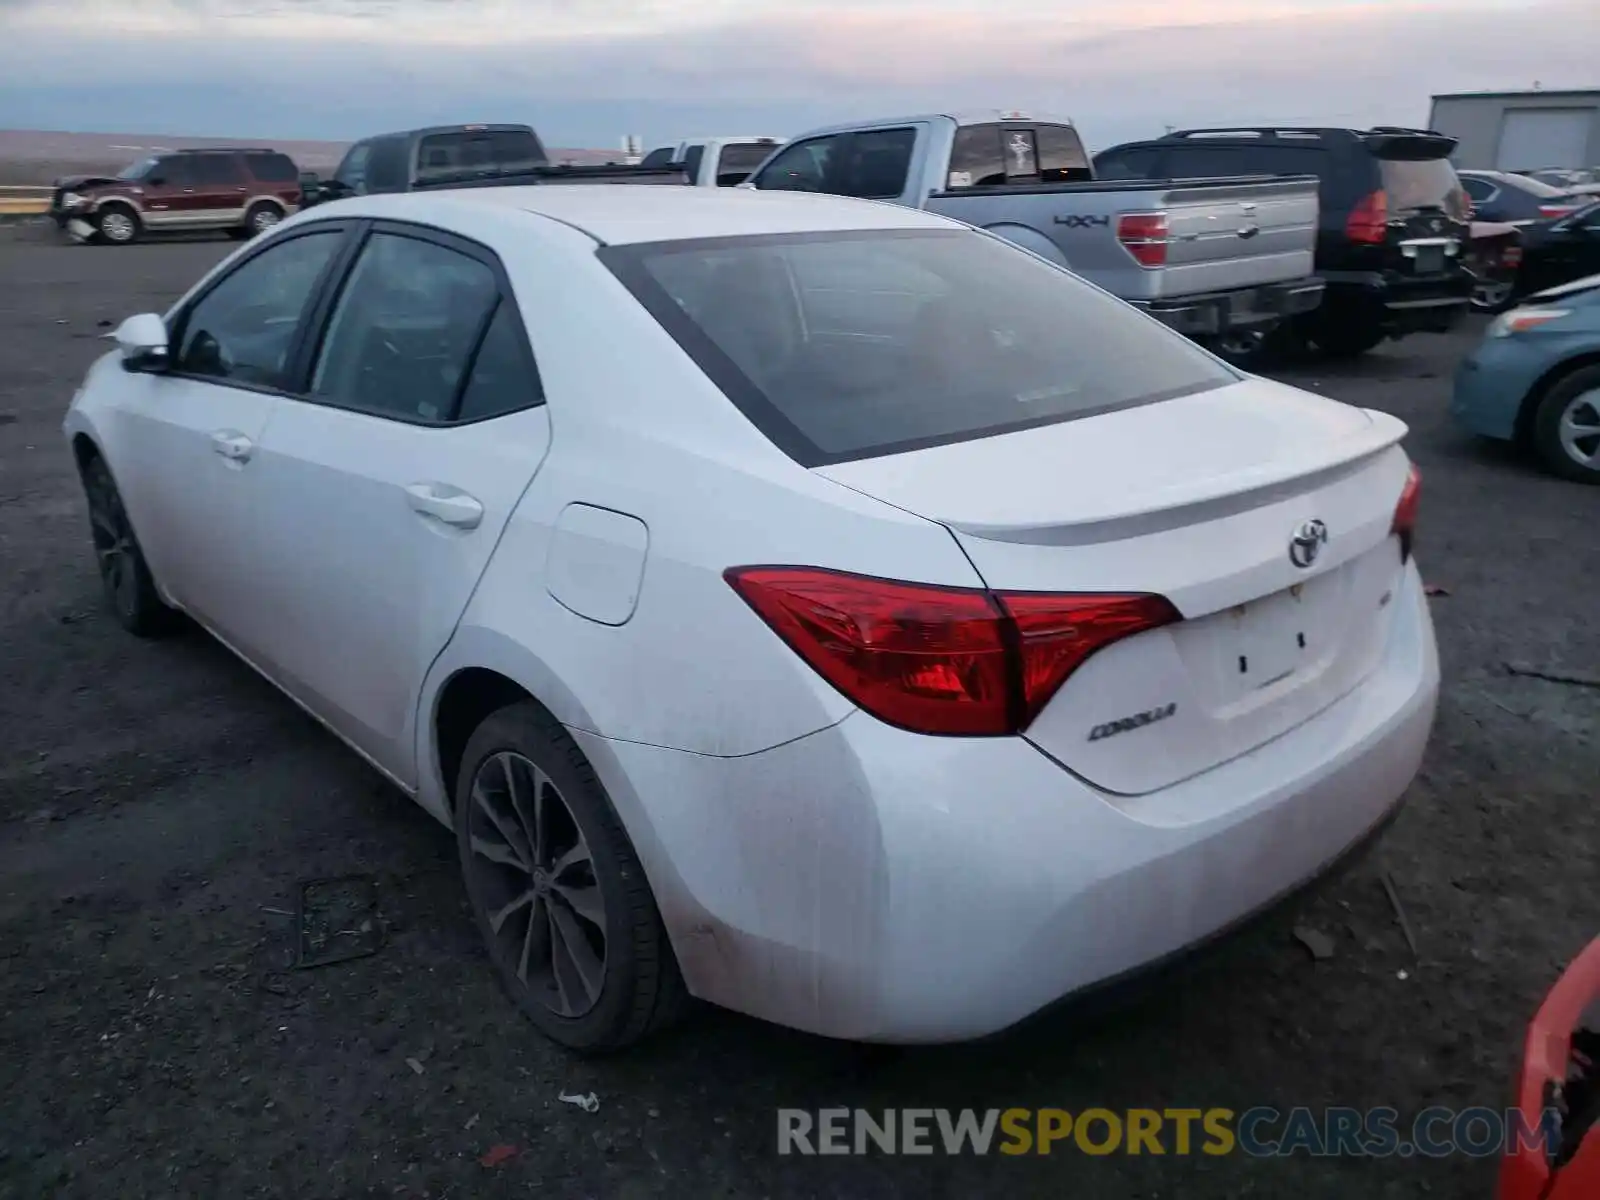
(1541, 388)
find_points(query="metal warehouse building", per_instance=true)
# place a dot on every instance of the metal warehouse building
(1521, 131)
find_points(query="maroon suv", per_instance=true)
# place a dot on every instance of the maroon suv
(242, 191)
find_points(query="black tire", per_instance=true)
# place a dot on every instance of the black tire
(1547, 419)
(118, 224)
(260, 218)
(124, 574)
(641, 989)
(1346, 339)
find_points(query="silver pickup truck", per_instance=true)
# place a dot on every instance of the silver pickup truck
(1223, 260)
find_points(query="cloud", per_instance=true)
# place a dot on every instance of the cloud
(586, 72)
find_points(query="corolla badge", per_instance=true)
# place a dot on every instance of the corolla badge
(1307, 543)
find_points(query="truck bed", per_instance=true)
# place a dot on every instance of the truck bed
(1222, 235)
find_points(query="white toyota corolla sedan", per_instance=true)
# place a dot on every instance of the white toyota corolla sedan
(814, 606)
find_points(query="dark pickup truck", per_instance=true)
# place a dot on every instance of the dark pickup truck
(455, 156)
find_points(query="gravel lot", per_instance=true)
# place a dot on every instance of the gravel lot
(161, 807)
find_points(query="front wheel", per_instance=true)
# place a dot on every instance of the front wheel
(124, 574)
(1566, 426)
(556, 888)
(118, 224)
(260, 219)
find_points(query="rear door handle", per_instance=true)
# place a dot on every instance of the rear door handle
(232, 445)
(446, 504)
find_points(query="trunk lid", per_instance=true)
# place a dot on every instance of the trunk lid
(1197, 499)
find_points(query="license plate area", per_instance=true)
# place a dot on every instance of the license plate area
(1269, 639)
(1426, 258)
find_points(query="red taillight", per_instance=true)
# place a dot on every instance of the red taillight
(1369, 219)
(1511, 256)
(1144, 235)
(1552, 211)
(940, 660)
(1405, 512)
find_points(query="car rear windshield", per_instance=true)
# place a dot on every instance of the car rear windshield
(1423, 183)
(491, 151)
(993, 155)
(842, 346)
(740, 158)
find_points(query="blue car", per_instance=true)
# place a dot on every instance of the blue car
(1535, 379)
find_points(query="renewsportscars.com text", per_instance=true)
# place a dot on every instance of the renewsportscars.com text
(1258, 1132)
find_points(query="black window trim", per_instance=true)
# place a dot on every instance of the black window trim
(177, 327)
(331, 288)
(626, 262)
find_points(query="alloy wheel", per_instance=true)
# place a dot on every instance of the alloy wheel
(116, 226)
(532, 874)
(1580, 429)
(114, 546)
(264, 220)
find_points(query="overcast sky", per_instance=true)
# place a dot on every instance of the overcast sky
(585, 72)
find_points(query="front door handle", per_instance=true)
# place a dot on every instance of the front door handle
(232, 445)
(445, 504)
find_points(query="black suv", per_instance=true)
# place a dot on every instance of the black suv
(1395, 222)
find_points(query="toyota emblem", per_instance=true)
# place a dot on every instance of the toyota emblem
(1307, 543)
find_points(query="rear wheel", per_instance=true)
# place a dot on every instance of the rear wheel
(1347, 338)
(118, 224)
(557, 890)
(123, 571)
(1566, 426)
(260, 219)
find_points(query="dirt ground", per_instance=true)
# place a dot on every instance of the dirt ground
(162, 810)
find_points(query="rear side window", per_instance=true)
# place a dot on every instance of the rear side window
(849, 345)
(661, 156)
(692, 160)
(273, 168)
(1413, 184)
(1138, 162)
(404, 328)
(495, 151)
(216, 169)
(880, 161)
(503, 377)
(1209, 162)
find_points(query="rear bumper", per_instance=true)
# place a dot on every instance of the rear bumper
(876, 885)
(1252, 309)
(1401, 305)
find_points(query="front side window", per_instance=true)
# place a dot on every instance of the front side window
(352, 171)
(388, 165)
(176, 171)
(845, 346)
(802, 167)
(404, 328)
(243, 329)
(138, 170)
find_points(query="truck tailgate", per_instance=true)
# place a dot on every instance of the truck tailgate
(1226, 234)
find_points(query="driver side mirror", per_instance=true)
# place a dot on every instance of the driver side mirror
(142, 341)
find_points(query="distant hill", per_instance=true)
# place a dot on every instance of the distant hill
(38, 155)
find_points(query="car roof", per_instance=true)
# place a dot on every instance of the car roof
(622, 214)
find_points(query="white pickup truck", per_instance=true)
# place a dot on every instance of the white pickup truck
(714, 161)
(1223, 260)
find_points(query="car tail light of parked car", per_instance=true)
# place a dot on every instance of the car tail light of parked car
(1552, 211)
(1405, 512)
(1560, 1074)
(1369, 219)
(941, 660)
(1144, 235)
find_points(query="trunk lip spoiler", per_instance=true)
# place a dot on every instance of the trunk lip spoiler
(1228, 495)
